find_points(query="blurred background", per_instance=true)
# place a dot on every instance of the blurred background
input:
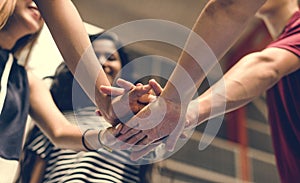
(242, 150)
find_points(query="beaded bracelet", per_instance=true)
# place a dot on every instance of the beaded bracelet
(83, 140)
(102, 145)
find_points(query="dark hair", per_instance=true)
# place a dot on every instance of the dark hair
(114, 38)
(64, 84)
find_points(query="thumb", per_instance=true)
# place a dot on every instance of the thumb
(156, 87)
(171, 141)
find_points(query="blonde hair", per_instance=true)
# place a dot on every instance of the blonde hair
(6, 9)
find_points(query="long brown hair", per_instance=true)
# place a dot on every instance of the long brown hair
(6, 10)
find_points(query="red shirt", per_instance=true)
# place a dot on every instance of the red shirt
(284, 108)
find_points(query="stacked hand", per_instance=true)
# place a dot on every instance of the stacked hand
(160, 120)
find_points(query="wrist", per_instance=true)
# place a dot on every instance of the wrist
(107, 110)
(170, 93)
(101, 143)
(204, 109)
(84, 140)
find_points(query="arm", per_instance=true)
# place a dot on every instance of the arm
(218, 25)
(249, 78)
(66, 27)
(38, 170)
(53, 123)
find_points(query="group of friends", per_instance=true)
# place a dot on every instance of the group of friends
(274, 70)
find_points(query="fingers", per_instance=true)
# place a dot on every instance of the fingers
(156, 87)
(108, 136)
(113, 91)
(147, 88)
(133, 140)
(125, 84)
(142, 144)
(135, 155)
(140, 90)
(171, 141)
(142, 120)
(128, 134)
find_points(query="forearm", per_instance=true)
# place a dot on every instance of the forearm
(52, 122)
(59, 130)
(249, 78)
(66, 27)
(63, 134)
(219, 25)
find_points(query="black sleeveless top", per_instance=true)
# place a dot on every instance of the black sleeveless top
(15, 109)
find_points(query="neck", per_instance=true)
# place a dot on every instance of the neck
(277, 19)
(9, 35)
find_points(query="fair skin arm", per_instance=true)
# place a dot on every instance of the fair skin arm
(249, 78)
(53, 123)
(232, 16)
(66, 26)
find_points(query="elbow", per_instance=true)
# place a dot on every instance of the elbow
(266, 69)
(271, 76)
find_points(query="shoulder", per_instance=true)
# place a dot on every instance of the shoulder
(289, 39)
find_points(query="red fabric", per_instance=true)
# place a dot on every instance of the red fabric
(284, 108)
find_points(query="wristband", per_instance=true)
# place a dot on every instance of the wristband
(83, 140)
(102, 145)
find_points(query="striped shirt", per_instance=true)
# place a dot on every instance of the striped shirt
(70, 166)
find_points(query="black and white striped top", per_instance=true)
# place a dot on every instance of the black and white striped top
(82, 167)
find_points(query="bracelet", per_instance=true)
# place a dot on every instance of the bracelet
(102, 145)
(83, 140)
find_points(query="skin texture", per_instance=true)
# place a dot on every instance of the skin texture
(72, 40)
(27, 20)
(112, 66)
(232, 16)
(262, 68)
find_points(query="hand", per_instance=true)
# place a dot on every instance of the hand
(158, 121)
(192, 115)
(130, 99)
(126, 101)
(190, 123)
(137, 97)
(143, 136)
